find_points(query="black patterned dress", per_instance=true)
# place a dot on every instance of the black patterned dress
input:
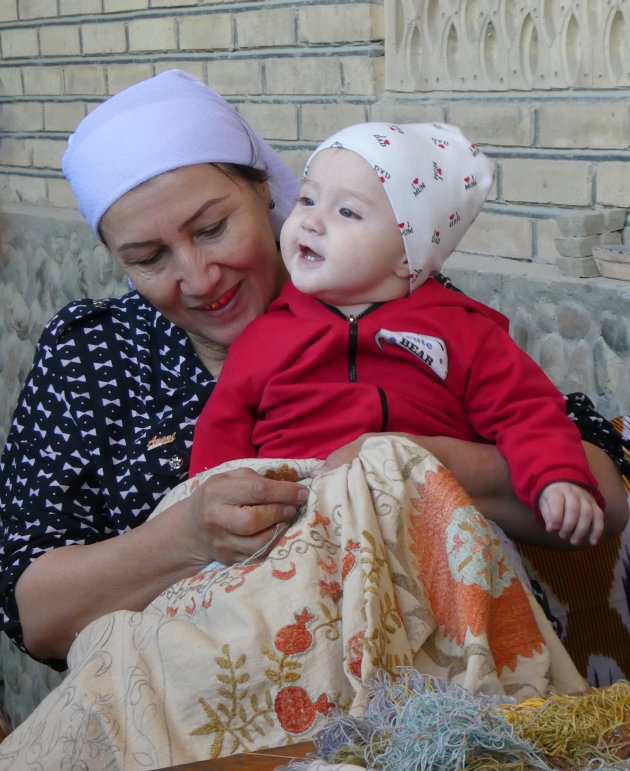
(102, 430)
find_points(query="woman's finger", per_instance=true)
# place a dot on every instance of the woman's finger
(244, 487)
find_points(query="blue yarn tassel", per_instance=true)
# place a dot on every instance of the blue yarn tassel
(420, 723)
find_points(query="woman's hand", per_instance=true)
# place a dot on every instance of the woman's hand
(342, 455)
(228, 518)
(437, 445)
(235, 514)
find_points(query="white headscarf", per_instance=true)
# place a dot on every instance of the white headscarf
(161, 124)
(436, 181)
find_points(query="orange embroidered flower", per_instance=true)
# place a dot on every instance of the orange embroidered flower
(320, 519)
(327, 564)
(284, 575)
(331, 589)
(468, 580)
(354, 653)
(349, 559)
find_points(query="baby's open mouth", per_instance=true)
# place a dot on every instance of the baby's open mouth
(309, 255)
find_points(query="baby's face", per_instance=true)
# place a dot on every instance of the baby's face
(341, 242)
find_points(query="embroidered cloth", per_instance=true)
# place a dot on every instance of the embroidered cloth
(388, 565)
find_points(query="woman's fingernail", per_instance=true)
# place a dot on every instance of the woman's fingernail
(303, 494)
(290, 513)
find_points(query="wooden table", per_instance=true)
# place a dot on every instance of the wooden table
(262, 760)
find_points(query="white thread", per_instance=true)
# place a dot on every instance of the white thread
(279, 529)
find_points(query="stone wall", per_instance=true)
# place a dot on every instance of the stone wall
(45, 261)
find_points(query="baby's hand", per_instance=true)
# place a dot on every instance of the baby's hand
(572, 511)
(341, 456)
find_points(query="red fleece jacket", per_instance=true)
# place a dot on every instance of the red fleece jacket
(303, 380)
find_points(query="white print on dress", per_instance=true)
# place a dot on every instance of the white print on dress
(430, 350)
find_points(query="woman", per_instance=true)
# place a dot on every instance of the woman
(189, 199)
(118, 385)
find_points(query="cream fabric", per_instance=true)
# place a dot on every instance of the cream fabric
(388, 565)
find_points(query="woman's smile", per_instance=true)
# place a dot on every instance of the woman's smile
(222, 301)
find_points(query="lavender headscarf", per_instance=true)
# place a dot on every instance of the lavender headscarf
(436, 181)
(161, 124)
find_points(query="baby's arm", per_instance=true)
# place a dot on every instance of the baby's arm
(571, 511)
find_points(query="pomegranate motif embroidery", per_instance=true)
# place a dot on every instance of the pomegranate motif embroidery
(295, 638)
(295, 710)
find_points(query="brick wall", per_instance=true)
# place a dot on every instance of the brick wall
(550, 106)
(541, 86)
(297, 71)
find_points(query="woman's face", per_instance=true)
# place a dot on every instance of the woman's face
(198, 244)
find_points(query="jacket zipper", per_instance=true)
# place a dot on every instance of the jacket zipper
(353, 340)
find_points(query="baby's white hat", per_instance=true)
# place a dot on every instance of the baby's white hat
(157, 125)
(436, 181)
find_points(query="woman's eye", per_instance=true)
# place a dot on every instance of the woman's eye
(348, 213)
(213, 230)
(151, 259)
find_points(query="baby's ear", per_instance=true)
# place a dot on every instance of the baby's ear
(402, 269)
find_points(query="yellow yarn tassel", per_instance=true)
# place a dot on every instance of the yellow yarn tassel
(570, 726)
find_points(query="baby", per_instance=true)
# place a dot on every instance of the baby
(365, 339)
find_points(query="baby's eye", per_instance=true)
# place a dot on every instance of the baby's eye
(348, 213)
(304, 200)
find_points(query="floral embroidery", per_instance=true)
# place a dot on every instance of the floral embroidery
(471, 598)
(239, 716)
(295, 638)
(475, 556)
(354, 653)
(349, 559)
(295, 710)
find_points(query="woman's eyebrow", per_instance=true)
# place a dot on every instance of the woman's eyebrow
(200, 210)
